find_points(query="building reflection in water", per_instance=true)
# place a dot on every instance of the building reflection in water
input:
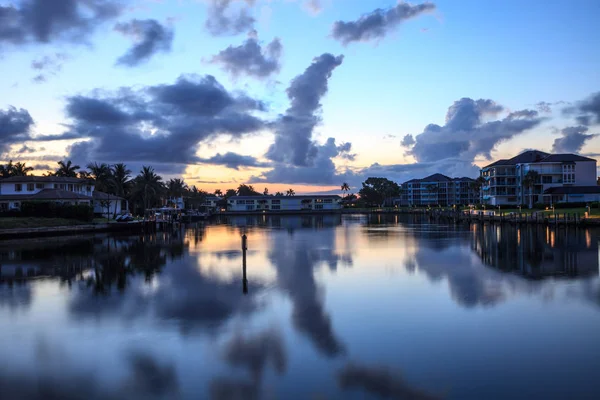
(537, 251)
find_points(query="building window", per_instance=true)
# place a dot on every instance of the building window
(70, 187)
(275, 201)
(249, 208)
(546, 179)
(39, 185)
(275, 207)
(318, 200)
(328, 201)
(318, 206)
(88, 188)
(30, 187)
(18, 187)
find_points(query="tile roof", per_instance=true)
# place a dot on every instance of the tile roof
(104, 196)
(566, 158)
(56, 179)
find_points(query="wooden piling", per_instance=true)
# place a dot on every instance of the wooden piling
(244, 248)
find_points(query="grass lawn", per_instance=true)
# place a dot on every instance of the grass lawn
(31, 222)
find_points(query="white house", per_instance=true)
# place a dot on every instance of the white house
(284, 203)
(211, 202)
(557, 174)
(109, 205)
(16, 189)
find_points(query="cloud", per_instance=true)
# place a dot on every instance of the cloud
(26, 149)
(234, 160)
(380, 382)
(150, 38)
(465, 135)
(297, 157)
(222, 21)
(250, 59)
(15, 127)
(572, 140)
(158, 124)
(42, 21)
(313, 6)
(47, 65)
(407, 141)
(546, 107)
(378, 23)
(587, 111)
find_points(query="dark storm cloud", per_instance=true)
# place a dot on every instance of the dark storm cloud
(294, 130)
(466, 134)
(251, 59)
(158, 124)
(572, 139)
(377, 24)
(408, 140)
(587, 112)
(150, 38)
(380, 382)
(229, 17)
(321, 171)
(43, 21)
(15, 127)
(234, 160)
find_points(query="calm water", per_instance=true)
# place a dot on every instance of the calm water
(346, 307)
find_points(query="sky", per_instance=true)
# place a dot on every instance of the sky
(305, 94)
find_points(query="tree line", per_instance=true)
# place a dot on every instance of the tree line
(145, 190)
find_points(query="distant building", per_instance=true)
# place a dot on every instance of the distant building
(558, 176)
(211, 203)
(284, 203)
(16, 189)
(74, 191)
(437, 189)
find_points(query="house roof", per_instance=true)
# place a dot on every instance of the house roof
(438, 178)
(262, 197)
(566, 158)
(46, 194)
(33, 178)
(105, 196)
(573, 190)
(535, 156)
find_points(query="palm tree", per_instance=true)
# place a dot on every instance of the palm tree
(67, 169)
(6, 170)
(290, 192)
(101, 175)
(120, 177)
(149, 186)
(529, 181)
(20, 169)
(218, 192)
(476, 185)
(278, 193)
(266, 192)
(176, 188)
(345, 187)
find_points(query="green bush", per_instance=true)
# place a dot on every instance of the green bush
(570, 205)
(539, 206)
(50, 209)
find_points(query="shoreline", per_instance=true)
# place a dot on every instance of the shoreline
(16, 233)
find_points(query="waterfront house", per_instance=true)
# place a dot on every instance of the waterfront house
(559, 178)
(16, 189)
(284, 203)
(211, 203)
(109, 205)
(437, 189)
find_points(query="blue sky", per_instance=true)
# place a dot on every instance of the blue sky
(516, 53)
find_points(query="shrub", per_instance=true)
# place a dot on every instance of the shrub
(48, 209)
